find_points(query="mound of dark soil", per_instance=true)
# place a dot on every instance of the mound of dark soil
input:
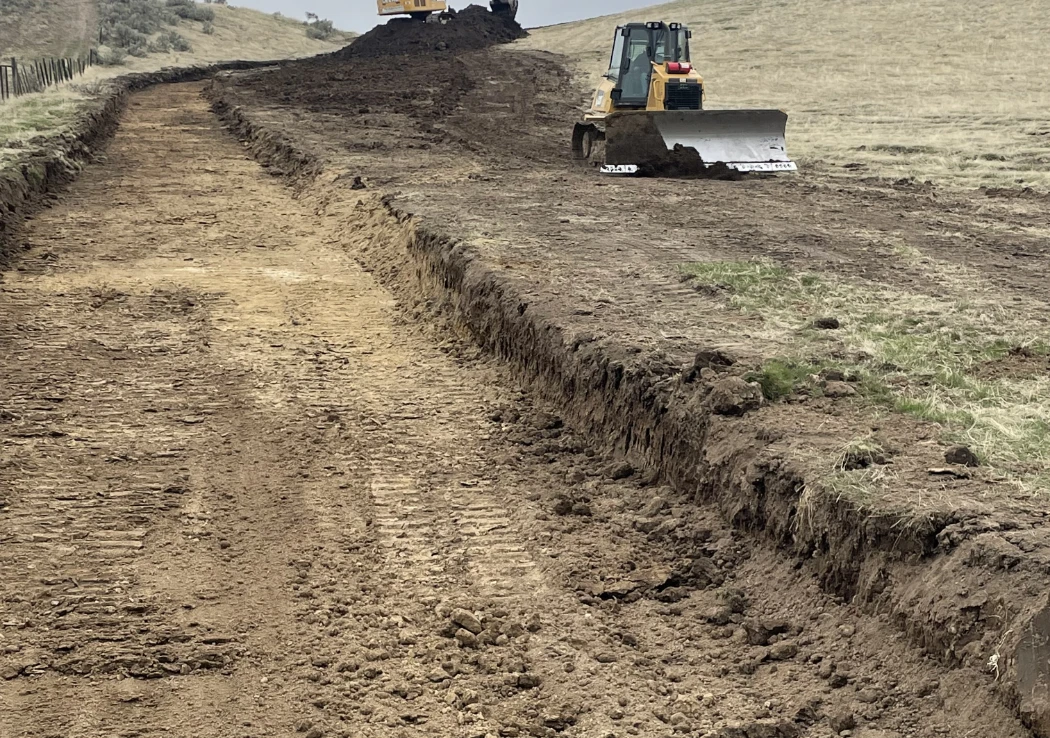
(472, 28)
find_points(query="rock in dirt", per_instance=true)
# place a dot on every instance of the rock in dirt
(619, 470)
(465, 619)
(466, 639)
(827, 323)
(708, 359)
(474, 27)
(841, 721)
(735, 599)
(839, 389)
(759, 632)
(928, 687)
(783, 651)
(717, 615)
(837, 681)
(868, 696)
(563, 506)
(582, 509)
(734, 396)
(653, 507)
(962, 456)
(528, 681)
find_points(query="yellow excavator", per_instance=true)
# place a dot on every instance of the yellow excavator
(647, 115)
(423, 9)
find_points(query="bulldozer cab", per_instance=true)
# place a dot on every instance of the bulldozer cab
(636, 46)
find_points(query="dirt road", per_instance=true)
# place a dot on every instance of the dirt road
(242, 495)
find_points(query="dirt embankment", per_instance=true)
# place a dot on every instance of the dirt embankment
(968, 587)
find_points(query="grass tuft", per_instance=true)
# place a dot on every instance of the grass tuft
(781, 378)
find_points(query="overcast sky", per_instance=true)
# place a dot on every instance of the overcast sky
(360, 15)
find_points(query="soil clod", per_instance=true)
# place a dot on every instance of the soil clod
(961, 455)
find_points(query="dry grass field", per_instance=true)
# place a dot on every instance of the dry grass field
(930, 89)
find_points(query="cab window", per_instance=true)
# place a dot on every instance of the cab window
(617, 57)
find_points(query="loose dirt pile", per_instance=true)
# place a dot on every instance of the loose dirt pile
(473, 28)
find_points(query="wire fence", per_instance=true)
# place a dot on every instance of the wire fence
(21, 77)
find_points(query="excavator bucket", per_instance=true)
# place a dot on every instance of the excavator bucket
(684, 142)
(506, 8)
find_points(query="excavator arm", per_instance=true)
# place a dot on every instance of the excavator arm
(507, 8)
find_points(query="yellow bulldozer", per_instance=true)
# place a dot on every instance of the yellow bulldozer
(647, 115)
(424, 9)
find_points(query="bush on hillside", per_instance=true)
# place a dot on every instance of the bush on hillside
(127, 23)
(209, 28)
(169, 41)
(190, 10)
(126, 37)
(112, 57)
(159, 45)
(179, 43)
(320, 29)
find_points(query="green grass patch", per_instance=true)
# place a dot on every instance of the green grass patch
(780, 378)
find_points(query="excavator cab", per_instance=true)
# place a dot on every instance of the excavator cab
(423, 9)
(647, 115)
(418, 9)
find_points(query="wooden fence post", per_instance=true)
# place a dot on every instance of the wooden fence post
(14, 73)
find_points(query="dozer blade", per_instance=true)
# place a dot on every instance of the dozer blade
(684, 142)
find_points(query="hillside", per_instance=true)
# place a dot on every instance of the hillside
(47, 27)
(953, 92)
(36, 28)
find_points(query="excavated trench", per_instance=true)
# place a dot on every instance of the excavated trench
(722, 627)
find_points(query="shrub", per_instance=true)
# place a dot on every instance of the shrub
(112, 57)
(127, 23)
(194, 12)
(178, 43)
(209, 28)
(159, 45)
(169, 41)
(320, 29)
(126, 37)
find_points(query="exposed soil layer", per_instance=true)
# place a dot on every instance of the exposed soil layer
(575, 281)
(244, 495)
(472, 28)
